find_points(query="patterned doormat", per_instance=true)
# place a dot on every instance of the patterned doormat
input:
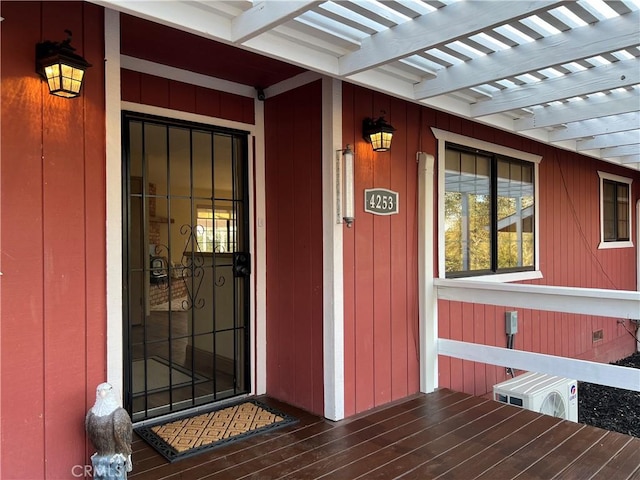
(188, 436)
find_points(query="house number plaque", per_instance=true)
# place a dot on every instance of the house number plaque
(380, 201)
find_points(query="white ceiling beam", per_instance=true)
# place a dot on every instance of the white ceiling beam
(384, 82)
(280, 48)
(621, 151)
(611, 140)
(615, 103)
(184, 76)
(597, 126)
(607, 77)
(460, 19)
(628, 161)
(180, 15)
(266, 16)
(576, 44)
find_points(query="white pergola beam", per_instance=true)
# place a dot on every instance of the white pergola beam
(443, 26)
(611, 140)
(185, 17)
(621, 151)
(266, 16)
(607, 77)
(278, 47)
(597, 126)
(593, 107)
(583, 42)
(632, 159)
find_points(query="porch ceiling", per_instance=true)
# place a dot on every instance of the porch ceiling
(564, 73)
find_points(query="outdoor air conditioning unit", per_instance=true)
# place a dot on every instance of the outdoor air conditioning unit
(541, 393)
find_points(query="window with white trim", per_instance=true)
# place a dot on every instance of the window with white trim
(487, 209)
(615, 211)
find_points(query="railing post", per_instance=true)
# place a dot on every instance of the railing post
(428, 308)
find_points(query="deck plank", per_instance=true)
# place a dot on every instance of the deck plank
(344, 451)
(512, 466)
(445, 435)
(566, 453)
(295, 455)
(313, 462)
(520, 436)
(364, 467)
(439, 454)
(599, 454)
(622, 464)
(470, 444)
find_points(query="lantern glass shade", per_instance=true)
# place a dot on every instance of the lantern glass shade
(381, 141)
(378, 133)
(62, 69)
(64, 80)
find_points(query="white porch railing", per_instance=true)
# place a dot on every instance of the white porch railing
(607, 303)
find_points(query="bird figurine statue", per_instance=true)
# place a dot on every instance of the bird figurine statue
(109, 428)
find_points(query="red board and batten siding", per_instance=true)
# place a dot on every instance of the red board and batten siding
(380, 259)
(293, 141)
(161, 92)
(380, 256)
(53, 338)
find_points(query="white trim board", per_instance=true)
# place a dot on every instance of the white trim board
(428, 302)
(582, 370)
(185, 76)
(192, 78)
(587, 301)
(487, 146)
(189, 117)
(115, 351)
(333, 279)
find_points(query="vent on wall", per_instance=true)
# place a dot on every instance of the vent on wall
(597, 335)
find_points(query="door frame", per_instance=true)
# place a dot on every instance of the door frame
(257, 246)
(256, 172)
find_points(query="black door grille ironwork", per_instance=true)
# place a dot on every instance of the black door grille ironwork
(186, 264)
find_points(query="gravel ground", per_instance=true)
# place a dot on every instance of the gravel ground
(613, 409)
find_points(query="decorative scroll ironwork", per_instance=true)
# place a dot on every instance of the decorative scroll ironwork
(192, 267)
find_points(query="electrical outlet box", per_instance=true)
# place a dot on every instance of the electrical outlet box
(511, 322)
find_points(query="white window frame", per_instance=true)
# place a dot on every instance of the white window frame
(443, 137)
(618, 244)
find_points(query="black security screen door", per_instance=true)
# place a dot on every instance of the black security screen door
(186, 265)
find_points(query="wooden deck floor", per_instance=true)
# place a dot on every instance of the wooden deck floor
(441, 435)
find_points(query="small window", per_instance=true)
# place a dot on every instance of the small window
(615, 211)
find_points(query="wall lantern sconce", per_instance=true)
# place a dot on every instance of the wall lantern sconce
(378, 133)
(344, 167)
(62, 69)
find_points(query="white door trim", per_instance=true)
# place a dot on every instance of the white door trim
(115, 357)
